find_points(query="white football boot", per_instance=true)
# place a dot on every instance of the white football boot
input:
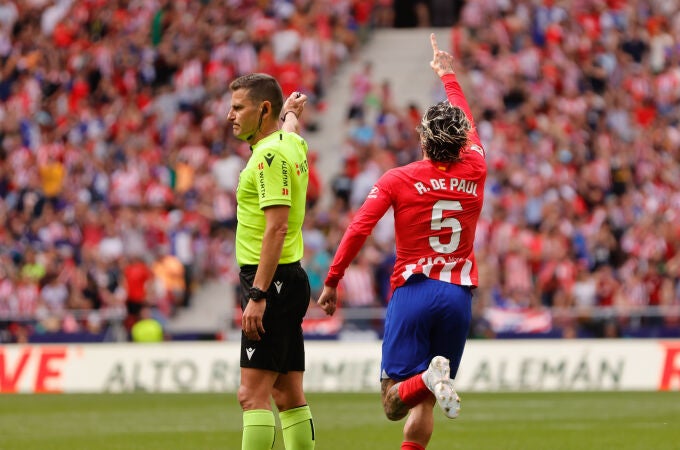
(438, 381)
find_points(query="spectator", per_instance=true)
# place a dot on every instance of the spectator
(361, 87)
(170, 283)
(147, 329)
(137, 277)
(112, 115)
(359, 291)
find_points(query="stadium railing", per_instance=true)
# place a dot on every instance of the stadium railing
(648, 321)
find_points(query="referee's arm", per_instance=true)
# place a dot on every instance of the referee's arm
(276, 219)
(291, 111)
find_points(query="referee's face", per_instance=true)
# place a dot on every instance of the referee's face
(244, 115)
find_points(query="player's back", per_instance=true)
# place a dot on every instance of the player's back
(436, 208)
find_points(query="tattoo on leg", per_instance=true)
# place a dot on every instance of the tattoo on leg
(394, 408)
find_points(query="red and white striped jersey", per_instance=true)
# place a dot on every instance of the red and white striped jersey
(190, 75)
(27, 296)
(359, 286)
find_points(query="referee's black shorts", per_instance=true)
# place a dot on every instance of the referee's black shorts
(281, 348)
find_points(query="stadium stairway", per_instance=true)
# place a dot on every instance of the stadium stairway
(209, 313)
(401, 56)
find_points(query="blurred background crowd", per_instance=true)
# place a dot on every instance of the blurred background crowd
(118, 168)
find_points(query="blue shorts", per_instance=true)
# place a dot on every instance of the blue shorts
(425, 318)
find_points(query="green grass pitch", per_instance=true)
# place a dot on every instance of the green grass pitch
(493, 421)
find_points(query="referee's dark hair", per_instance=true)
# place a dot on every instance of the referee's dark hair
(260, 87)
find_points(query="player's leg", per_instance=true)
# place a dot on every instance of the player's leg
(287, 391)
(405, 356)
(449, 335)
(395, 408)
(296, 417)
(407, 348)
(438, 381)
(429, 333)
(410, 397)
(254, 395)
(420, 309)
(298, 428)
(399, 397)
(419, 426)
(259, 430)
(259, 371)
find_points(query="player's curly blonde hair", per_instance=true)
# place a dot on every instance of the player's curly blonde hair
(444, 132)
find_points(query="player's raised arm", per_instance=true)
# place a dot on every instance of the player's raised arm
(442, 65)
(442, 62)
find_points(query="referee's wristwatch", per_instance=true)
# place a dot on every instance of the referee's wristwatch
(256, 294)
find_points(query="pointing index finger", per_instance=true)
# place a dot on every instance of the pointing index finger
(433, 40)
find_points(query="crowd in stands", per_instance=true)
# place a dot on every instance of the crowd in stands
(578, 105)
(118, 168)
(117, 164)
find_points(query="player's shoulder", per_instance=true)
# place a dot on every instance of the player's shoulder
(407, 170)
(396, 177)
(474, 154)
(477, 148)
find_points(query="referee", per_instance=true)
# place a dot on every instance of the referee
(271, 197)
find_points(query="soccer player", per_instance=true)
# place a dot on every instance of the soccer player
(437, 202)
(271, 198)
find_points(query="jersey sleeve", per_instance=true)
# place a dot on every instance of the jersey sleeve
(375, 206)
(272, 179)
(455, 95)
